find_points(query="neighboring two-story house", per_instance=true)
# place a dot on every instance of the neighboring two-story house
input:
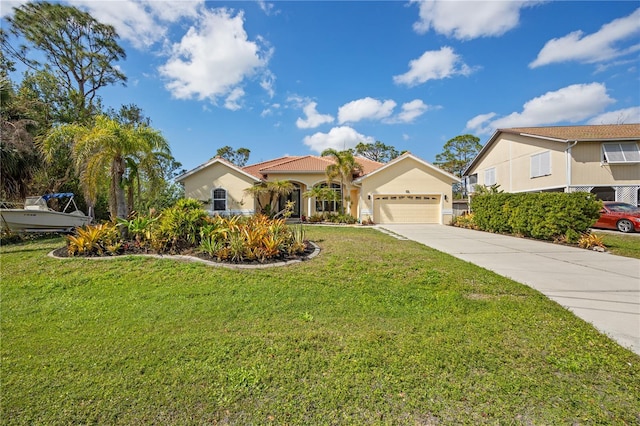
(601, 159)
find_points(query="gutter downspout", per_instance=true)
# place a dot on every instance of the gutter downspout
(569, 171)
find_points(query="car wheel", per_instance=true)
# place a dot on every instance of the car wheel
(625, 225)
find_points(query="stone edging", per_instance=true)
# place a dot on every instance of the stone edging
(316, 251)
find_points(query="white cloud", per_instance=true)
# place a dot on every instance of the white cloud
(270, 110)
(232, 100)
(142, 23)
(466, 20)
(267, 83)
(213, 58)
(411, 111)
(405, 137)
(571, 104)
(267, 8)
(314, 118)
(338, 138)
(433, 65)
(621, 116)
(365, 108)
(596, 47)
(479, 121)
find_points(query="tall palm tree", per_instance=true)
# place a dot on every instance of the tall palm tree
(101, 152)
(345, 167)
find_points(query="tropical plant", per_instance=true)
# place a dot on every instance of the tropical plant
(298, 237)
(101, 153)
(465, 221)
(140, 227)
(322, 193)
(344, 167)
(94, 240)
(590, 241)
(179, 226)
(272, 191)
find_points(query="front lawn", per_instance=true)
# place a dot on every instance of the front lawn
(372, 331)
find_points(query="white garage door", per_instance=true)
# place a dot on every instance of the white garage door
(406, 208)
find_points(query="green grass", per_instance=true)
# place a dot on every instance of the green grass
(620, 244)
(372, 331)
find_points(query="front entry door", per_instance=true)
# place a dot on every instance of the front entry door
(295, 197)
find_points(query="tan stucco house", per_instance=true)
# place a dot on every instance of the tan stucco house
(601, 159)
(404, 190)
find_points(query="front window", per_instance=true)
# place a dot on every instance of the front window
(330, 205)
(219, 199)
(621, 153)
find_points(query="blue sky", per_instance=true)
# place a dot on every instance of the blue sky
(296, 77)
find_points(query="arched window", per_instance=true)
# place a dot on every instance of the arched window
(219, 199)
(330, 205)
(604, 193)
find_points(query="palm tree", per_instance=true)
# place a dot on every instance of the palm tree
(103, 153)
(273, 190)
(345, 167)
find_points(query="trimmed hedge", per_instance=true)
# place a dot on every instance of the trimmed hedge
(544, 216)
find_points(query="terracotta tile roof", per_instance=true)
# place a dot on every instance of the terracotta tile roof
(303, 164)
(368, 166)
(582, 133)
(308, 163)
(254, 169)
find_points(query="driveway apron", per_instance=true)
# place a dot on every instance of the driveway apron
(601, 288)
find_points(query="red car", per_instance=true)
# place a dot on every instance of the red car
(621, 216)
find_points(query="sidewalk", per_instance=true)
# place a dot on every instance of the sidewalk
(601, 288)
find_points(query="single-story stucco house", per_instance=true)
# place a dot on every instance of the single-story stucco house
(601, 159)
(404, 190)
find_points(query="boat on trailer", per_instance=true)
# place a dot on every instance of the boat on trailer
(37, 216)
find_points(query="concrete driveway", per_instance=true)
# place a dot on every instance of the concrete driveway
(601, 288)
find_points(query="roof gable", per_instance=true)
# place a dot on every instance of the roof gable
(303, 164)
(405, 156)
(565, 134)
(211, 163)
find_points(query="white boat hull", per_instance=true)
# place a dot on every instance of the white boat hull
(22, 220)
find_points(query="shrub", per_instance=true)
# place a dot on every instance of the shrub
(465, 221)
(186, 226)
(545, 216)
(94, 240)
(179, 226)
(590, 241)
(332, 217)
(257, 238)
(140, 227)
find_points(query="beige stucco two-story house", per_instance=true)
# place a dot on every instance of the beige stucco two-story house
(404, 190)
(601, 159)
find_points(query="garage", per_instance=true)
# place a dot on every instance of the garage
(406, 208)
